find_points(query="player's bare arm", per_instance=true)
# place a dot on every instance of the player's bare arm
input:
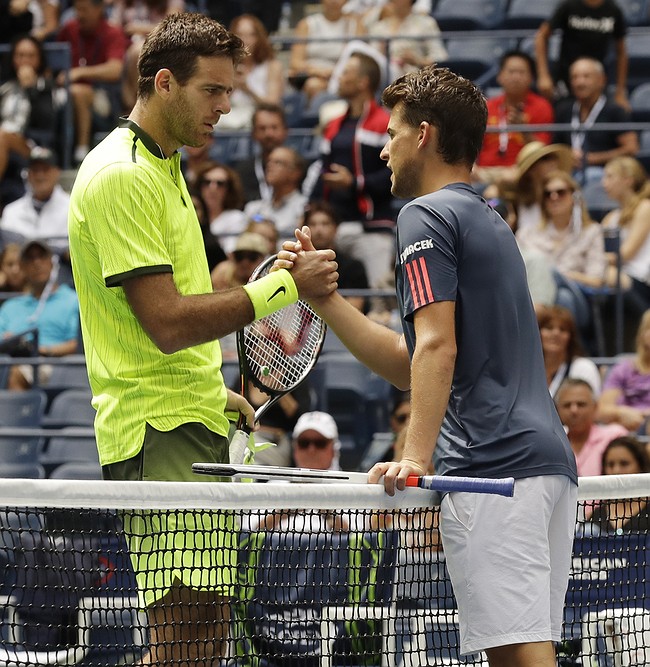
(431, 376)
(174, 321)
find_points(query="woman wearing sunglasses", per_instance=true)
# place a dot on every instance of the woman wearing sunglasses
(571, 241)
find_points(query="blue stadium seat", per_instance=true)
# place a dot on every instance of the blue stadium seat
(77, 470)
(638, 49)
(640, 103)
(468, 15)
(68, 448)
(477, 59)
(24, 410)
(528, 14)
(27, 470)
(597, 201)
(71, 407)
(637, 12)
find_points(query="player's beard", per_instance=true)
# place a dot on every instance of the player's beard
(406, 179)
(181, 122)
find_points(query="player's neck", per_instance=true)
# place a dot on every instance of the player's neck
(442, 174)
(150, 122)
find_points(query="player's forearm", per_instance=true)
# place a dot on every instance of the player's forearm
(431, 378)
(381, 349)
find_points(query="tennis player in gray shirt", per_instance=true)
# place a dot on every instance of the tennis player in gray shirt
(471, 354)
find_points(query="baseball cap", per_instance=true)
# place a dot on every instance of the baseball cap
(42, 154)
(34, 243)
(252, 242)
(320, 422)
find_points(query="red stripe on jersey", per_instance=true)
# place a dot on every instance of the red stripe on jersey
(412, 284)
(418, 277)
(425, 280)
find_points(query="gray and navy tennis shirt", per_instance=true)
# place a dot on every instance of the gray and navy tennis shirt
(500, 420)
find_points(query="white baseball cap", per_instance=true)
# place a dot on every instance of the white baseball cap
(320, 422)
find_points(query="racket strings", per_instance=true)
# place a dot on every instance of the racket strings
(281, 347)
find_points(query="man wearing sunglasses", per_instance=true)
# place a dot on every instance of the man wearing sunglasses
(316, 442)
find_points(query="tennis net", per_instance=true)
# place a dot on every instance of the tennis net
(319, 574)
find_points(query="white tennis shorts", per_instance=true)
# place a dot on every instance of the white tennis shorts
(509, 561)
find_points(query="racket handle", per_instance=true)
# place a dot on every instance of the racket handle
(238, 447)
(444, 484)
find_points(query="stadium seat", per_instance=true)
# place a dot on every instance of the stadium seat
(466, 15)
(636, 12)
(71, 407)
(23, 410)
(27, 470)
(68, 448)
(230, 146)
(77, 470)
(640, 103)
(477, 59)
(597, 201)
(638, 49)
(527, 14)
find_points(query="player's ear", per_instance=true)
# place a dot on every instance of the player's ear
(426, 134)
(163, 81)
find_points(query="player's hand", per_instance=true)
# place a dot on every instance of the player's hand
(314, 271)
(394, 474)
(237, 403)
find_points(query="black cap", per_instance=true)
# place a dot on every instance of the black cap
(34, 243)
(42, 154)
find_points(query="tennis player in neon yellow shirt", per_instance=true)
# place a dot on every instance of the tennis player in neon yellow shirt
(150, 325)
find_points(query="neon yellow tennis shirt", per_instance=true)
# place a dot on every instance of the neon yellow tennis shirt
(131, 214)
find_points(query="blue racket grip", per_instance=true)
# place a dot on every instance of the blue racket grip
(445, 484)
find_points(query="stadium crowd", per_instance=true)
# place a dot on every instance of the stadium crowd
(303, 139)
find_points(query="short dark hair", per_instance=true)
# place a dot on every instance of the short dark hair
(516, 53)
(269, 107)
(320, 206)
(449, 102)
(369, 67)
(177, 42)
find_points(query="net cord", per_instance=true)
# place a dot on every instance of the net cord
(213, 495)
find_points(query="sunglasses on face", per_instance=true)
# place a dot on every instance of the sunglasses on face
(559, 193)
(219, 182)
(319, 443)
(246, 255)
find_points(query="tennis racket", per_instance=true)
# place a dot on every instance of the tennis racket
(442, 484)
(276, 353)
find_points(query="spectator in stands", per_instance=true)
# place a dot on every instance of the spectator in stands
(284, 170)
(45, 15)
(269, 131)
(214, 253)
(221, 190)
(98, 51)
(626, 182)
(43, 211)
(539, 269)
(265, 227)
(323, 224)
(193, 159)
(623, 456)
(534, 162)
(563, 354)
(626, 389)
(577, 407)
(399, 24)
(587, 108)
(589, 28)
(12, 277)
(315, 441)
(354, 179)
(517, 104)
(137, 18)
(259, 78)
(313, 61)
(250, 250)
(17, 19)
(51, 308)
(27, 111)
(570, 240)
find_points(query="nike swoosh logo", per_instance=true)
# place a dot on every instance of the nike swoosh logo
(281, 290)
